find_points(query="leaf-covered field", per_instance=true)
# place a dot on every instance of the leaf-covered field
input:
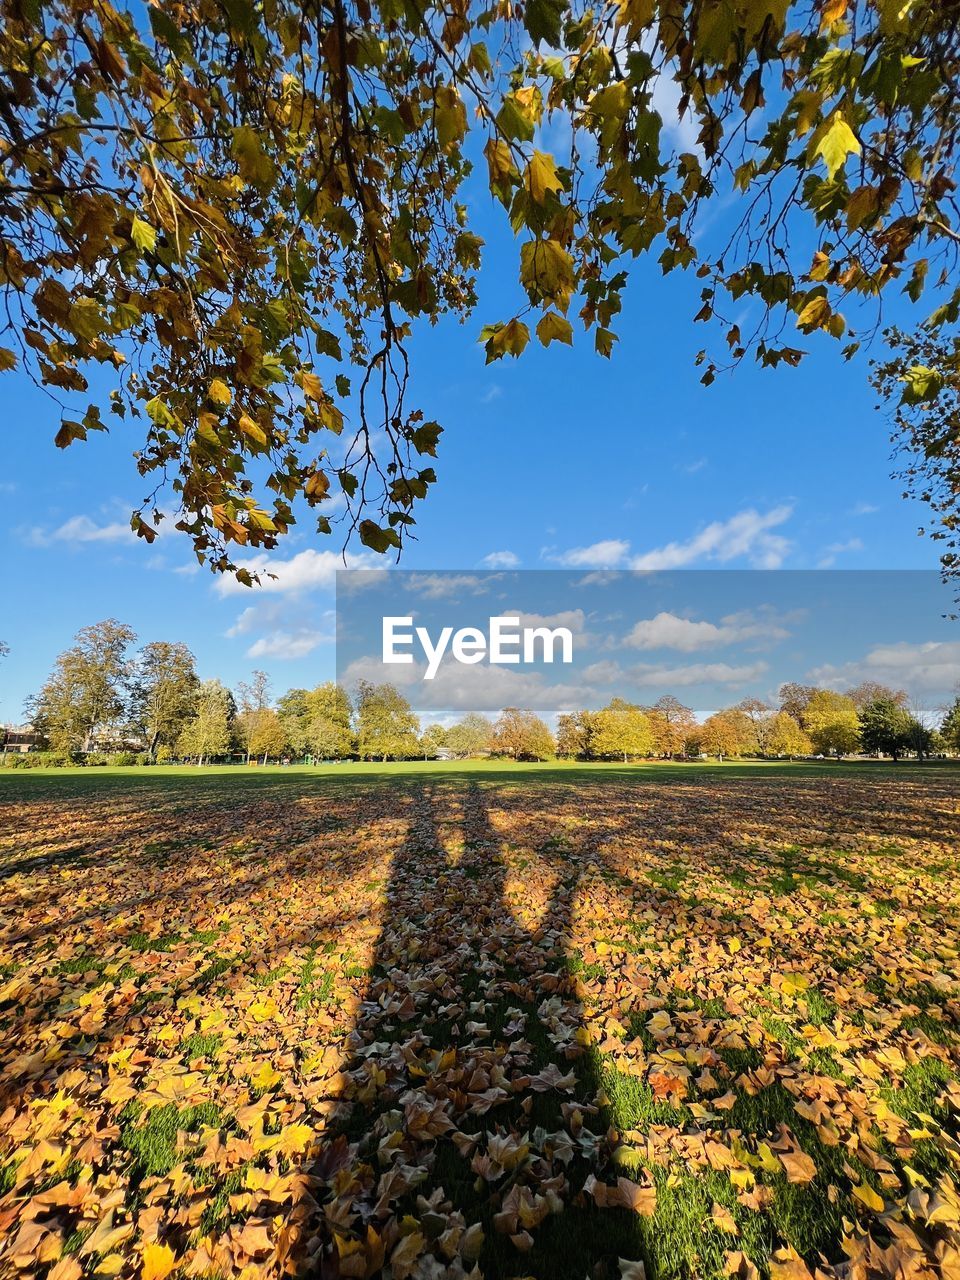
(686, 1024)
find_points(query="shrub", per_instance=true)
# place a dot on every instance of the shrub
(124, 758)
(95, 758)
(40, 760)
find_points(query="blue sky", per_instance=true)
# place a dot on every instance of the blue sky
(560, 459)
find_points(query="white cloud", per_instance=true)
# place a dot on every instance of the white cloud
(682, 130)
(501, 560)
(697, 673)
(288, 644)
(668, 631)
(305, 570)
(932, 666)
(829, 555)
(864, 509)
(605, 672)
(747, 534)
(440, 586)
(600, 578)
(599, 555)
(81, 529)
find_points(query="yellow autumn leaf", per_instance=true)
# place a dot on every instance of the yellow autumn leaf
(158, 1261)
(542, 176)
(312, 386)
(834, 141)
(546, 271)
(499, 161)
(252, 430)
(794, 983)
(219, 392)
(554, 328)
(295, 1138)
(254, 164)
(867, 1196)
(814, 313)
(265, 1077)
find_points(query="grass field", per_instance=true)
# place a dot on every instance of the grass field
(488, 1020)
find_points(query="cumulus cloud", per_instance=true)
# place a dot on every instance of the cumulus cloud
(599, 578)
(80, 529)
(288, 644)
(501, 560)
(668, 631)
(651, 675)
(441, 586)
(747, 535)
(931, 666)
(307, 569)
(830, 553)
(598, 555)
(574, 619)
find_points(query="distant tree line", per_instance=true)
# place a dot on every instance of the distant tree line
(806, 721)
(106, 699)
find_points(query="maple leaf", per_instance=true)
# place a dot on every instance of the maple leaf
(798, 1166)
(158, 1260)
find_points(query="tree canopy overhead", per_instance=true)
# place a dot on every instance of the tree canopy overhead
(242, 208)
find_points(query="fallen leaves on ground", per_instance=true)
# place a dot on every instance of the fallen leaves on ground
(707, 1025)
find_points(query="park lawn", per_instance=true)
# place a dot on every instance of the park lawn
(492, 1020)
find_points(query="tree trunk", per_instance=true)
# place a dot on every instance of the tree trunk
(151, 750)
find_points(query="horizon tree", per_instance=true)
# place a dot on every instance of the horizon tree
(164, 691)
(794, 699)
(265, 734)
(575, 732)
(330, 733)
(886, 727)
(293, 708)
(622, 728)
(432, 739)
(730, 732)
(868, 691)
(831, 720)
(520, 732)
(760, 714)
(253, 701)
(950, 728)
(386, 724)
(672, 723)
(89, 688)
(471, 736)
(785, 737)
(208, 732)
